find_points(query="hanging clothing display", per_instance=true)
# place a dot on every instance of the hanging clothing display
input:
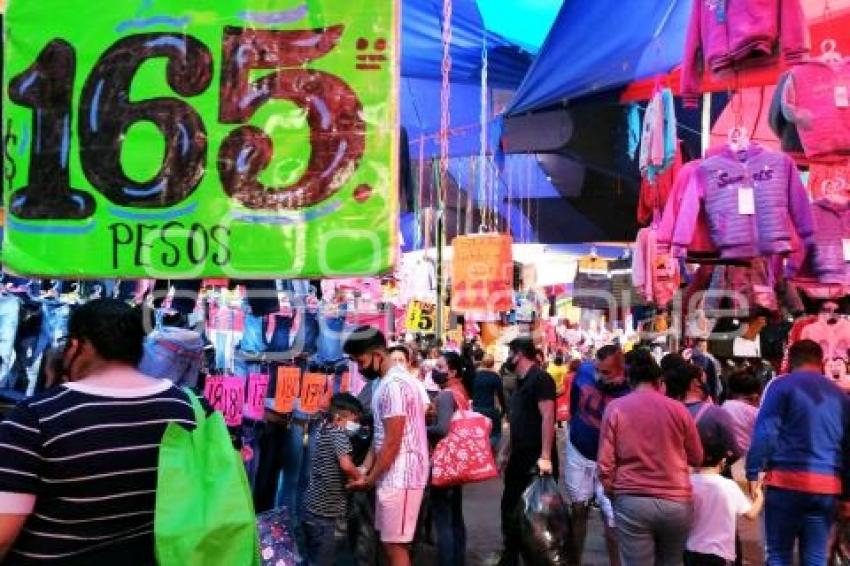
(700, 243)
(592, 288)
(828, 179)
(654, 194)
(655, 275)
(751, 198)
(725, 35)
(816, 98)
(785, 129)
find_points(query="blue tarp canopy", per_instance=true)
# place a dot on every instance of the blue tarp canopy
(600, 45)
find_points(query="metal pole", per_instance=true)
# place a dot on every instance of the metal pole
(440, 239)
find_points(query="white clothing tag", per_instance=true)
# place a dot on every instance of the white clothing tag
(746, 201)
(846, 245)
(842, 100)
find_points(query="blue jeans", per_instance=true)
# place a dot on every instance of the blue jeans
(280, 336)
(175, 354)
(447, 510)
(319, 536)
(10, 308)
(329, 344)
(792, 515)
(254, 334)
(297, 460)
(308, 332)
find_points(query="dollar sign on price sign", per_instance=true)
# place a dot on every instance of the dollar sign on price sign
(191, 138)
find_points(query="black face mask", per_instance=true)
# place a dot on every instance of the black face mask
(439, 377)
(369, 372)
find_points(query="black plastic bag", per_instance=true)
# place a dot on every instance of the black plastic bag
(546, 525)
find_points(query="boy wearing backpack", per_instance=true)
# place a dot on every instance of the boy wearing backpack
(325, 500)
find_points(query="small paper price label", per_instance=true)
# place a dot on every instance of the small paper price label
(746, 201)
(842, 100)
(846, 246)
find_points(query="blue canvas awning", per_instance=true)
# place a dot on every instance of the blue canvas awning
(600, 45)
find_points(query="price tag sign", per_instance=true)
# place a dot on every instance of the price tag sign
(746, 201)
(421, 317)
(482, 273)
(845, 244)
(286, 390)
(258, 384)
(842, 100)
(226, 394)
(198, 138)
(312, 392)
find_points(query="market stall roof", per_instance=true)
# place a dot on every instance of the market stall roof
(422, 47)
(604, 44)
(594, 47)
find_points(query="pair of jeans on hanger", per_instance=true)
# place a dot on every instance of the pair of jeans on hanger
(10, 308)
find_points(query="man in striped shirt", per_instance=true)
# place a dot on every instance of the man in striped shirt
(398, 464)
(78, 463)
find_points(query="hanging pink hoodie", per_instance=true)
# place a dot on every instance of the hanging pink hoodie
(729, 34)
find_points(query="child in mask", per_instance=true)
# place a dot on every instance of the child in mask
(325, 500)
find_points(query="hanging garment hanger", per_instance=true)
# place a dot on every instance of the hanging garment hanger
(829, 52)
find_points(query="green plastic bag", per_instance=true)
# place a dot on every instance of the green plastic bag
(204, 510)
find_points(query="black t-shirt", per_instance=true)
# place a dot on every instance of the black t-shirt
(525, 418)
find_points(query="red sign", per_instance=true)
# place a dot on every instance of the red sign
(288, 381)
(226, 394)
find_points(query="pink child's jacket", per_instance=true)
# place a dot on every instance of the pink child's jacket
(749, 32)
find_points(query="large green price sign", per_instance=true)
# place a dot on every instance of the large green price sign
(189, 138)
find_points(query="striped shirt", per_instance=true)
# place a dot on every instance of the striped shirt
(326, 496)
(397, 396)
(81, 461)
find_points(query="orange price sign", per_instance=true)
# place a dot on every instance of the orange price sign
(482, 273)
(312, 392)
(286, 391)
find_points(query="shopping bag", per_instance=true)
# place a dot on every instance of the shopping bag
(204, 513)
(464, 455)
(562, 407)
(546, 525)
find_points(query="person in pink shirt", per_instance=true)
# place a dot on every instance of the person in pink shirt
(647, 443)
(743, 405)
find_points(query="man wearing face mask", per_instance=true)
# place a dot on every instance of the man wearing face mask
(595, 385)
(532, 438)
(93, 441)
(398, 465)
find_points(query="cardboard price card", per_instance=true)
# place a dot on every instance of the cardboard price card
(226, 394)
(287, 388)
(193, 138)
(255, 403)
(482, 273)
(421, 317)
(313, 392)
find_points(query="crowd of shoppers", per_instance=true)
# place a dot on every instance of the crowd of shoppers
(654, 445)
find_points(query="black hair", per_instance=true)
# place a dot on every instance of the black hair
(607, 351)
(714, 450)
(346, 402)
(805, 352)
(463, 367)
(112, 327)
(478, 355)
(524, 346)
(643, 368)
(401, 348)
(672, 361)
(364, 339)
(744, 382)
(679, 378)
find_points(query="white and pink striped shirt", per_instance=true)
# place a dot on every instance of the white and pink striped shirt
(397, 396)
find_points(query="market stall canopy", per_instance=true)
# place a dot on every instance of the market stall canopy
(600, 45)
(422, 45)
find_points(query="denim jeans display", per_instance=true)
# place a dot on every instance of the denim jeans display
(329, 342)
(9, 310)
(307, 337)
(254, 333)
(279, 342)
(175, 354)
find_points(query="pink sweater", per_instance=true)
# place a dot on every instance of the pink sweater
(647, 443)
(727, 34)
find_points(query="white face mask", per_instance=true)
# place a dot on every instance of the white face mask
(352, 428)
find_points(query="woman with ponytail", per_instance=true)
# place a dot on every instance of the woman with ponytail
(454, 375)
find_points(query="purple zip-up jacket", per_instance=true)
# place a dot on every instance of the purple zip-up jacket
(780, 203)
(727, 34)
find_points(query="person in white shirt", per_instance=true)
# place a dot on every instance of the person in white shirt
(397, 464)
(718, 502)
